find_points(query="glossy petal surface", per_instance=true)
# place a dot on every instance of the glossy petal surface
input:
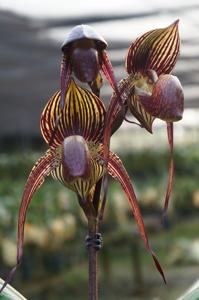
(76, 158)
(83, 32)
(81, 184)
(157, 50)
(83, 114)
(167, 99)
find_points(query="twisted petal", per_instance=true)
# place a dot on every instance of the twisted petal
(157, 50)
(83, 114)
(115, 113)
(109, 73)
(65, 76)
(36, 178)
(117, 171)
(171, 166)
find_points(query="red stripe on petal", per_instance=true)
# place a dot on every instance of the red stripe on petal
(83, 114)
(157, 50)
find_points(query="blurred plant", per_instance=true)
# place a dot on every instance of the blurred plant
(77, 127)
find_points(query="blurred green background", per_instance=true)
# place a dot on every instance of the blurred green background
(55, 259)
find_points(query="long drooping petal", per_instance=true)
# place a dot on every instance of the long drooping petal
(117, 171)
(36, 178)
(115, 110)
(171, 167)
(65, 76)
(109, 73)
(83, 114)
(155, 50)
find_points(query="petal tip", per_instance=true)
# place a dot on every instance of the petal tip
(176, 22)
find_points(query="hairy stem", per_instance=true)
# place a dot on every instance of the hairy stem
(93, 262)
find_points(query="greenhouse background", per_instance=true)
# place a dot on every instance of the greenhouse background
(55, 259)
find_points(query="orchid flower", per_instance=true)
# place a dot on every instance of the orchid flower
(152, 91)
(84, 54)
(75, 158)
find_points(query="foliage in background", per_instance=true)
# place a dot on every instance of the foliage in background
(54, 201)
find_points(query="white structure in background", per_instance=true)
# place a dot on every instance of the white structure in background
(132, 137)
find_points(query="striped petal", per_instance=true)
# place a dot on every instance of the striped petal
(140, 113)
(133, 101)
(96, 85)
(65, 75)
(36, 178)
(117, 171)
(157, 50)
(83, 114)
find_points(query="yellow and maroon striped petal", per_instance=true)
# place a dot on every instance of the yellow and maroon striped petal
(80, 186)
(140, 113)
(118, 172)
(83, 114)
(155, 50)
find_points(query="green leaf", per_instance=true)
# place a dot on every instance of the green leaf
(9, 293)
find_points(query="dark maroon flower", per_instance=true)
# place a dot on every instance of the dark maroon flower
(75, 158)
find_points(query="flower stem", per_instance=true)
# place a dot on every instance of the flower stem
(93, 262)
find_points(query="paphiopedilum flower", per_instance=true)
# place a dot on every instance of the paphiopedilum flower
(75, 158)
(84, 55)
(150, 91)
(157, 93)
